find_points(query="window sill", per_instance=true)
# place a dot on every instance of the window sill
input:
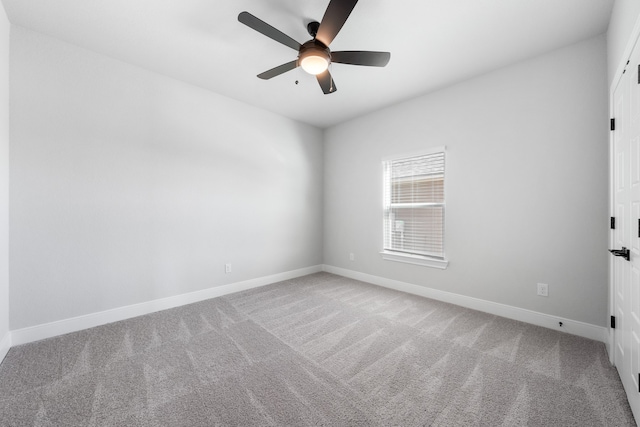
(415, 259)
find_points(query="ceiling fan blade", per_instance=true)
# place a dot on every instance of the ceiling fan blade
(278, 70)
(262, 27)
(361, 57)
(334, 18)
(326, 82)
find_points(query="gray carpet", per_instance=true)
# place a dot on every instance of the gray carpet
(317, 350)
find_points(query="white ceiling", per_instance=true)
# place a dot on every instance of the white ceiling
(433, 43)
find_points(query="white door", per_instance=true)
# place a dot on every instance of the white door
(626, 201)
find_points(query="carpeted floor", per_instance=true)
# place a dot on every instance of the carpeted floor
(317, 350)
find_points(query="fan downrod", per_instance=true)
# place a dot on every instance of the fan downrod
(312, 28)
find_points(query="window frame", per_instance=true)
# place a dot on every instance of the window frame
(407, 257)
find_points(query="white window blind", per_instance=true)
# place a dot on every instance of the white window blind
(414, 205)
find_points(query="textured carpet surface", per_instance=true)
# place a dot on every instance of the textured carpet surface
(317, 350)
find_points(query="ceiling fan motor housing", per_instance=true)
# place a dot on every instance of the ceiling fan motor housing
(314, 48)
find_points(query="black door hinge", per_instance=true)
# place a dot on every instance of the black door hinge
(613, 322)
(613, 124)
(613, 222)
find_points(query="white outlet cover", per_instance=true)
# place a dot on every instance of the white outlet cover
(543, 289)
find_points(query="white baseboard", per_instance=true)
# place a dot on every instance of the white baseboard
(48, 330)
(61, 327)
(574, 327)
(5, 345)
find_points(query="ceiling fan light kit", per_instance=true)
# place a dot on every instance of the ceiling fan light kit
(315, 56)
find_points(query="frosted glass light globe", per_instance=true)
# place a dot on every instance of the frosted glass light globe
(313, 64)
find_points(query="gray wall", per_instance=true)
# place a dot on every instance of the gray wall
(127, 186)
(623, 18)
(526, 184)
(4, 173)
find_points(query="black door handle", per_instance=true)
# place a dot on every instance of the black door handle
(624, 253)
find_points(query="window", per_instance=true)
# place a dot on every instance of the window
(414, 207)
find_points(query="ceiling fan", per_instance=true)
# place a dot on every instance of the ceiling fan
(314, 56)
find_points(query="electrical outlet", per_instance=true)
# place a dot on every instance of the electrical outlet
(543, 289)
(227, 268)
(352, 257)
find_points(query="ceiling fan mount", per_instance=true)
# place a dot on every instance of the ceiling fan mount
(312, 28)
(315, 56)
